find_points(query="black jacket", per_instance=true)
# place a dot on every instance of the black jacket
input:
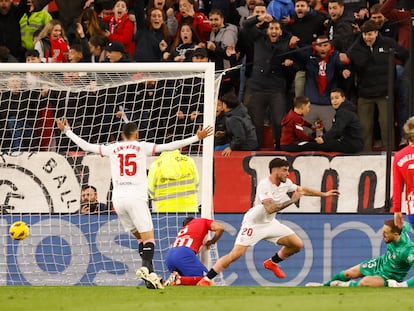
(372, 66)
(240, 129)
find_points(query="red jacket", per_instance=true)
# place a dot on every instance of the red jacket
(201, 25)
(122, 30)
(293, 129)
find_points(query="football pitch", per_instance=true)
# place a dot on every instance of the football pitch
(186, 298)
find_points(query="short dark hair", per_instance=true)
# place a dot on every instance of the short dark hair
(300, 100)
(338, 90)
(32, 53)
(340, 2)
(230, 99)
(129, 129)
(277, 162)
(89, 186)
(369, 26)
(394, 228)
(187, 220)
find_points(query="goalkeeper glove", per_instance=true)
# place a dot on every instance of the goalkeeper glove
(394, 283)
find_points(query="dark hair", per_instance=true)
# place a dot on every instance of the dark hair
(216, 12)
(338, 90)
(99, 40)
(277, 162)
(89, 186)
(375, 9)
(340, 2)
(300, 100)
(230, 99)
(394, 229)
(187, 220)
(368, 26)
(129, 129)
(32, 53)
(77, 47)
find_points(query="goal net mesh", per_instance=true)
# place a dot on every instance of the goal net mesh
(42, 172)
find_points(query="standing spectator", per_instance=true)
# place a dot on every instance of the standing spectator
(228, 8)
(130, 193)
(272, 66)
(116, 53)
(240, 130)
(370, 61)
(346, 133)
(293, 126)
(246, 10)
(183, 47)
(403, 174)
(86, 25)
(307, 25)
(68, 10)
(259, 223)
(10, 36)
(324, 66)
(31, 23)
(181, 259)
(152, 36)
(188, 14)
(281, 10)
(221, 141)
(339, 27)
(121, 28)
(89, 201)
(51, 43)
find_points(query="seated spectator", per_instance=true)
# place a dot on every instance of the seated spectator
(346, 134)
(239, 127)
(89, 201)
(183, 46)
(121, 28)
(293, 124)
(116, 53)
(51, 43)
(94, 50)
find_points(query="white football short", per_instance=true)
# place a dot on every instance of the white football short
(250, 233)
(133, 213)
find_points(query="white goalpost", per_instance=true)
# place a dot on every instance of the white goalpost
(42, 172)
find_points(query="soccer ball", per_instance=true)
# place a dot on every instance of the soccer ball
(19, 230)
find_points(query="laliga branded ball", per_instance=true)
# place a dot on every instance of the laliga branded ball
(19, 230)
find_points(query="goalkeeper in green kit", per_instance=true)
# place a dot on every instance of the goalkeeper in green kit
(388, 269)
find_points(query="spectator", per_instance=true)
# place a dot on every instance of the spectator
(388, 269)
(173, 183)
(181, 259)
(246, 10)
(51, 43)
(152, 36)
(240, 130)
(116, 53)
(89, 201)
(221, 140)
(188, 14)
(306, 25)
(228, 9)
(86, 25)
(121, 28)
(281, 10)
(31, 23)
(324, 66)
(259, 223)
(10, 36)
(95, 48)
(319, 5)
(68, 10)
(266, 88)
(293, 126)
(340, 26)
(346, 133)
(183, 47)
(371, 65)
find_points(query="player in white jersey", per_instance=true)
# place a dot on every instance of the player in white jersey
(130, 189)
(259, 222)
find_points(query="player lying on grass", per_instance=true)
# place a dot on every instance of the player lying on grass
(388, 269)
(128, 166)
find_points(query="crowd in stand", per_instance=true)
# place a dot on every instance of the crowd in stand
(292, 52)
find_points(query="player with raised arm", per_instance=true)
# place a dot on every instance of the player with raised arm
(182, 260)
(259, 222)
(130, 190)
(403, 172)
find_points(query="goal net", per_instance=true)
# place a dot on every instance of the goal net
(42, 172)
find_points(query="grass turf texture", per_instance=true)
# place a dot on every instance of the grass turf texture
(185, 298)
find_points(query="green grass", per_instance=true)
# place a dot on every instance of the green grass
(185, 298)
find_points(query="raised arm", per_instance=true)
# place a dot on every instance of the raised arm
(83, 144)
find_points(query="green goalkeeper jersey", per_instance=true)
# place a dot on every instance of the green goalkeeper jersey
(396, 262)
